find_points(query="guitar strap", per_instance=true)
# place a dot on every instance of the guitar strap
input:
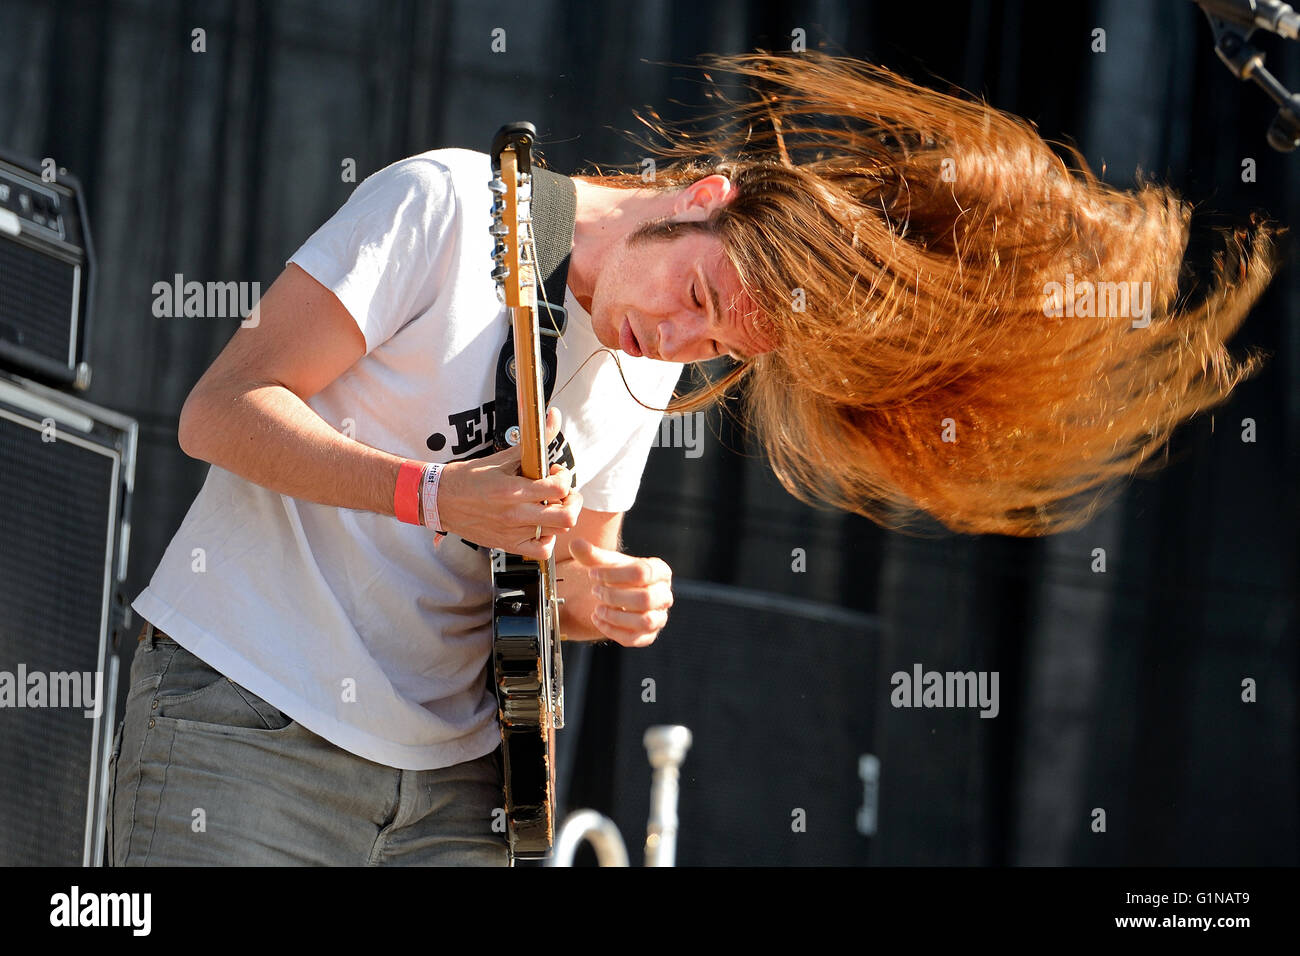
(554, 205)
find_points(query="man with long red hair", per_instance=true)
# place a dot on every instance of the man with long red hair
(892, 271)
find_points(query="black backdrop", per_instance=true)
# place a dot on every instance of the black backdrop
(1120, 690)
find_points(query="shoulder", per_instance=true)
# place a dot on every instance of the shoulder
(443, 172)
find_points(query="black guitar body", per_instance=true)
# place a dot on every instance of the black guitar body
(519, 640)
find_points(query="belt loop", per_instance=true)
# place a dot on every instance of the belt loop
(149, 635)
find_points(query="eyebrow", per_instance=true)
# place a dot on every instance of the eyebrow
(717, 311)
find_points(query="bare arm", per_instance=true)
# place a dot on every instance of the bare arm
(574, 580)
(248, 413)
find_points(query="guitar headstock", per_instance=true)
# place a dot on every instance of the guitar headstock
(511, 185)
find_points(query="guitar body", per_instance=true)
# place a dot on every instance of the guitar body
(526, 659)
(527, 665)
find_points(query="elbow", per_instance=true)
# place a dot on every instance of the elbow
(188, 428)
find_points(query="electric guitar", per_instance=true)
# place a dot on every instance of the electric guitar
(525, 607)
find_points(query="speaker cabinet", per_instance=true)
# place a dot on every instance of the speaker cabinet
(66, 473)
(780, 772)
(47, 267)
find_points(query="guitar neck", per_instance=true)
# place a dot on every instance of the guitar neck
(532, 416)
(528, 358)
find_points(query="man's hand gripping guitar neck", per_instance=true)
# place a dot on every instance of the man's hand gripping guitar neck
(606, 594)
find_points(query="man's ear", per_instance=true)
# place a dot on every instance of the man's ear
(698, 200)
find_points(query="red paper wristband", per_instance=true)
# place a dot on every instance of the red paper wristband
(406, 494)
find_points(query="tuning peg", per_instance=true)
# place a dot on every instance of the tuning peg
(500, 272)
(498, 228)
(498, 186)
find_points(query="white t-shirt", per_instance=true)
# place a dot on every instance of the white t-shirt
(350, 622)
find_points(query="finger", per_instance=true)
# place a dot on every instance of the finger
(554, 487)
(590, 556)
(552, 423)
(630, 572)
(538, 549)
(620, 635)
(507, 460)
(639, 622)
(580, 549)
(657, 596)
(559, 471)
(561, 516)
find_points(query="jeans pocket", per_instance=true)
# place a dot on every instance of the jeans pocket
(193, 692)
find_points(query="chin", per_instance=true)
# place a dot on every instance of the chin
(604, 332)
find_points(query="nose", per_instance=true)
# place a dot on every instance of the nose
(678, 339)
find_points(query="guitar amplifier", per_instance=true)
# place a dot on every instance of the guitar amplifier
(46, 269)
(782, 771)
(66, 473)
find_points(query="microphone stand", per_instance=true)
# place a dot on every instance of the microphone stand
(1231, 42)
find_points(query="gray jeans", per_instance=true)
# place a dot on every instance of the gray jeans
(206, 773)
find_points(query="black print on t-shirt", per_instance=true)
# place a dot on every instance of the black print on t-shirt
(472, 427)
(475, 427)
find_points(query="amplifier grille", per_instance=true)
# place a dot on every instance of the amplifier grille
(761, 749)
(39, 292)
(52, 579)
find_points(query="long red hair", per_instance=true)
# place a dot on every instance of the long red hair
(918, 258)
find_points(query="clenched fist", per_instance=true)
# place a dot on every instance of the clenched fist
(632, 595)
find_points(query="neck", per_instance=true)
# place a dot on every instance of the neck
(604, 217)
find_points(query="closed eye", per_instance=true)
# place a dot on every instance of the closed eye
(695, 298)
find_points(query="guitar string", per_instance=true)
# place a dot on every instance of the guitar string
(528, 253)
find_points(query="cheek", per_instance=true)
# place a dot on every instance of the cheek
(602, 308)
